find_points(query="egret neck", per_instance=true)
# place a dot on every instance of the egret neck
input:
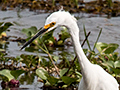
(85, 64)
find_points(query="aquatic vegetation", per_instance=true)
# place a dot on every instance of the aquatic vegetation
(55, 71)
(110, 59)
(4, 27)
(9, 81)
(47, 38)
(71, 76)
(3, 36)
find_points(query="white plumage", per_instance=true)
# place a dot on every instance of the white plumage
(94, 77)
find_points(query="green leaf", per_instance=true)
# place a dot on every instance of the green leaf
(63, 71)
(7, 74)
(60, 42)
(64, 86)
(17, 73)
(117, 64)
(115, 56)
(110, 63)
(116, 71)
(30, 31)
(8, 24)
(106, 48)
(64, 34)
(85, 51)
(111, 48)
(48, 35)
(1, 23)
(78, 73)
(41, 72)
(55, 58)
(52, 80)
(5, 27)
(68, 80)
(100, 46)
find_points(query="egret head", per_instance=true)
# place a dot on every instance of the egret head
(59, 18)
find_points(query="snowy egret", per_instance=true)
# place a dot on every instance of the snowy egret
(94, 77)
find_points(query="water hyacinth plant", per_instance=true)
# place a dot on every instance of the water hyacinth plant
(3, 28)
(55, 71)
(48, 77)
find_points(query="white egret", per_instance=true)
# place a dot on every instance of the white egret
(94, 77)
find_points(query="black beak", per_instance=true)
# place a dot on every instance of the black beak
(34, 37)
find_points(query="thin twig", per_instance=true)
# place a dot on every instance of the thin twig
(47, 52)
(57, 70)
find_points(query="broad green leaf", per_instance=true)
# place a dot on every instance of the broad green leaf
(68, 80)
(117, 64)
(52, 80)
(110, 63)
(106, 48)
(30, 31)
(8, 24)
(111, 48)
(7, 74)
(115, 56)
(100, 46)
(116, 71)
(17, 73)
(63, 71)
(41, 72)
(5, 27)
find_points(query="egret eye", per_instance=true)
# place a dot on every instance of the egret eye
(52, 24)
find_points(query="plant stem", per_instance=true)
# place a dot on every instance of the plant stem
(87, 39)
(47, 52)
(89, 56)
(97, 39)
(57, 70)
